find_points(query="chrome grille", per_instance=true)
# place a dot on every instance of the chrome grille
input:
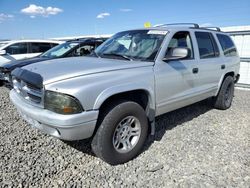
(28, 91)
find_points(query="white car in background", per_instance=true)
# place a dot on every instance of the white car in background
(23, 49)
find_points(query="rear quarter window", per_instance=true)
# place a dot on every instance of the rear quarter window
(227, 45)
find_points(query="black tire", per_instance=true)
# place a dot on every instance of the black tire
(102, 143)
(1, 83)
(225, 96)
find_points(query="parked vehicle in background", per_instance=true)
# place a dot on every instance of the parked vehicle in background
(23, 49)
(73, 48)
(136, 75)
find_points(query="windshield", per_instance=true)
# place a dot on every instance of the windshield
(142, 45)
(60, 50)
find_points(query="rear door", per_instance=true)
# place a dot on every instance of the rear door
(175, 80)
(210, 63)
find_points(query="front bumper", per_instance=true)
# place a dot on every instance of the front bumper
(65, 127)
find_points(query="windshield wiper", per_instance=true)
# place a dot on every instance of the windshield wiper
(118, 55)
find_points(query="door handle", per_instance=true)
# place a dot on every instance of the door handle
(223, 66)
(195, 70)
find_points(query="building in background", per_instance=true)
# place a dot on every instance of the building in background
(241, 37)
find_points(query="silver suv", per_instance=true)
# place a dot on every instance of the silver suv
(115, 94)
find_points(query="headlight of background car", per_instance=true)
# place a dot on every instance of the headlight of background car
(61, 103)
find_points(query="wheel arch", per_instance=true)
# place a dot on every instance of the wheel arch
(144, 97)
(231, 73)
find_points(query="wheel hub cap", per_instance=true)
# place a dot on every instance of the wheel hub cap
(126, 134)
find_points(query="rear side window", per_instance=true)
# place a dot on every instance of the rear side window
(40, 47)
(207, 45)
(17, 48)
(227, 45)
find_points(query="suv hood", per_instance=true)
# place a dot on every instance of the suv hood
(66, 68)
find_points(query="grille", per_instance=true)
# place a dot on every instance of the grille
(28, 91)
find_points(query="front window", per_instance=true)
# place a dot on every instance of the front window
(142, 45)
(181, 39)
(60, 50)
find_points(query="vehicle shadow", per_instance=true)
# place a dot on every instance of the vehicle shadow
(164, 123)
(176, 118)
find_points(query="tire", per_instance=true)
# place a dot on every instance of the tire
(1, 83)
(225, 96)
(110, 141)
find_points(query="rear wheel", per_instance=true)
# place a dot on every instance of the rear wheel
(1, 83)
(122, 132)
(224, 98)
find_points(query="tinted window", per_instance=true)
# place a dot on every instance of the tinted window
(216, 49)
(18, 48)
(227, 45)
(207, 45)
(40, 47)
(183, 40)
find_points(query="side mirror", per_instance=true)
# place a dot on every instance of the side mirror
(2, 52)
(176, 53)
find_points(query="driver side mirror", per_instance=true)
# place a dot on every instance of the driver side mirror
(176, 53)
(2, 52)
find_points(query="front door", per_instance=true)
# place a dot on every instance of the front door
(175, 80)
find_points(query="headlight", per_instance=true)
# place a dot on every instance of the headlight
(61, 103)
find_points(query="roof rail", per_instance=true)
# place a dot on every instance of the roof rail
(216, 28)
(163, 25)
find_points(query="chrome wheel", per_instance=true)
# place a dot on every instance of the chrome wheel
(127, 134)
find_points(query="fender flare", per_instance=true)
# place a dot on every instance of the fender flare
(111, 91)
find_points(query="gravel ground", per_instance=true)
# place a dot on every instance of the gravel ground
(196, 146)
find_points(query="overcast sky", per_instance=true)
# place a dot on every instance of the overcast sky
(59, 18)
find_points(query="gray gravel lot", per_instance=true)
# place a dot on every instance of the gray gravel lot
(196, 146)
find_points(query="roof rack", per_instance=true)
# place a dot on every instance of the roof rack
(163, 25)
(213, 28)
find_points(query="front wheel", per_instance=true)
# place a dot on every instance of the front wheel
(122, 132)
(224, 98)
